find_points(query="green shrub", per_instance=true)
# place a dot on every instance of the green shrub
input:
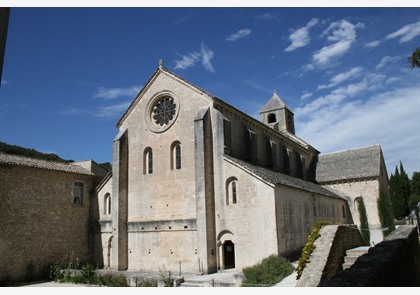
(268, 272)
(147, 283)
(309, 247)
(386, 215)
(364, 224)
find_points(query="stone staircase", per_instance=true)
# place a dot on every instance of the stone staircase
(352, 255)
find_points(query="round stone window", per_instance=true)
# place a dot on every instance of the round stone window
(162, 113)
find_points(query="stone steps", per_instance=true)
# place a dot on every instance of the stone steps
(353, 254)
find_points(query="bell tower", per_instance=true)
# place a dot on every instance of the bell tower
(277, 115)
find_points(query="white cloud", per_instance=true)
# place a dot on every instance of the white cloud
(187, 61)
(113, 93)
(340, 78)
(5, 82)
(386, 60)
(373, 44)
(306, 95)
(343, 33)
(204, 56)
(390, 119)
(406, 33)
(112, 111)
(300, 37)
(241, 34)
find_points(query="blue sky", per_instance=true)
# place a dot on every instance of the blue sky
(70, 73)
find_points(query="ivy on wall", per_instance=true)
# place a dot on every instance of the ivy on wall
(309, 247)
(364, 224)
(386, 215)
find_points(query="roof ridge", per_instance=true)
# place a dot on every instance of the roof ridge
(351, 149)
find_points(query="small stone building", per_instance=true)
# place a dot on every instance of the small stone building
(357, 173)
(199, 185)
(45, 209)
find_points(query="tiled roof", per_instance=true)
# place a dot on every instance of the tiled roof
(275, 103)
(42, 164)
(350, 164)
(282, 179)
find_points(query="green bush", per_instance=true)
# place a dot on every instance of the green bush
(386, 215)
(309, 247)
(268, 272)
(364, 224)
(147, 283)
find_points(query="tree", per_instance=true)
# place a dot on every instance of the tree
(414, 199)
(400, 192)
(414, 59)
(364, 224)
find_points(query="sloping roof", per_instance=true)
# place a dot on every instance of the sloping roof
(275, 103)
(280, 178)
(357, 163)
(14, 160)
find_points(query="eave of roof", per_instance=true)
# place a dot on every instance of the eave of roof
(277, 178)
(14, 160)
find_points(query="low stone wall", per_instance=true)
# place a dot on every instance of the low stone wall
(328, 256)
(392, 263)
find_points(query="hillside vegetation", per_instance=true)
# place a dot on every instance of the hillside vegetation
(32, 153)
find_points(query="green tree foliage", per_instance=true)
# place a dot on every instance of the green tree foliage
(400, 192)
(364, 224)
(386, 215)
(414, 59)
(415, 195)
(31, 153)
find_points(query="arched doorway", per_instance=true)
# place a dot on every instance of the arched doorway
(229, 254)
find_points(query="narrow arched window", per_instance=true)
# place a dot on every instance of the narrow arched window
(271, 118)
(231, 191)
(176, 155)
(148, 161)
(107, 204)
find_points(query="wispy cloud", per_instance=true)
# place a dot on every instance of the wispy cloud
(343, 34)
(386, 60)
(406, 33)
(300, 37)
(113, 93)
(268, 16)
(112, 111)
(205, 55)
(241, 34)
(356, 123)
(5, 82)
(340, 78)
(338, 95)
(306, 95)
(182, 19)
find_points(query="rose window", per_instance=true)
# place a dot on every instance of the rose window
(164, 111)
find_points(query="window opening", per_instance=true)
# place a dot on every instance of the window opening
(78, 193)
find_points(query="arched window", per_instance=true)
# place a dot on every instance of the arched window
(148, 161)
(176, 155)
(271, 118)
(231, 190)
(78, 193)
(107, 204)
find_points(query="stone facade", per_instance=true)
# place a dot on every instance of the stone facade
(41, 224)
(199, 185)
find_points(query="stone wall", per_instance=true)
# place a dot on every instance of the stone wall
(39, 223)
(392, 263)
(328, 256)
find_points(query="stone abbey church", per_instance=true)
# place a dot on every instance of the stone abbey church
(196, 184)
